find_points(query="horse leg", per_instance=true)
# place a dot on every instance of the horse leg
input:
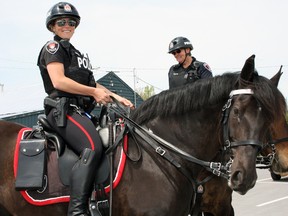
(217, 198)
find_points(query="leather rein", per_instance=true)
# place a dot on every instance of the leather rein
(161, 146)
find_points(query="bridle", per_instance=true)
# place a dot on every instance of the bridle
(225, 117)
(265, 162)
(162, 147)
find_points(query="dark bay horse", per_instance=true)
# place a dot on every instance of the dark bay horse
(274, 152)
(190, 119)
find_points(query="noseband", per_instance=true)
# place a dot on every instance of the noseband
(225, 115)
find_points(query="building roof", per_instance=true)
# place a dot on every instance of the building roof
(114, 83)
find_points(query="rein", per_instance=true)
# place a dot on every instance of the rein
(157, 143)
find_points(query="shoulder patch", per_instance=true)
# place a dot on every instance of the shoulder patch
(52, 47)
(207, 67)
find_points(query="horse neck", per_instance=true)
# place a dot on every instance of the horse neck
(196, 132)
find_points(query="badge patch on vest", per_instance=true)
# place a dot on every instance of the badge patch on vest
(52, 47)
(207, 67)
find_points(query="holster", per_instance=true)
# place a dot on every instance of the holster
(31, 164)
(60, 111)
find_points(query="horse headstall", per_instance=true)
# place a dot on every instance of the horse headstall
(225, 115)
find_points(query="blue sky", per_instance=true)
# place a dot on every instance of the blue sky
(127, 35)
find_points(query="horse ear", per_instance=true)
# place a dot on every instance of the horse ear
(248, 70)
(275, 79)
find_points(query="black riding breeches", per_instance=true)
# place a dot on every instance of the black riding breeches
(79, 133)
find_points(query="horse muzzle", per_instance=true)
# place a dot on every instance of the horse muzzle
(241, 184)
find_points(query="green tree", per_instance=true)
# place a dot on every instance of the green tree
(146, 92)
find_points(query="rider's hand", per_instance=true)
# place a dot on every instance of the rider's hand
(101, 96)
(123, 101)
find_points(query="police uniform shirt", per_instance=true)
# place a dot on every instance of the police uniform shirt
(76, 65)
(179, 76)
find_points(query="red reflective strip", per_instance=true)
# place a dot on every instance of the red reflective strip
(17, 146)
(48, 201)
(121, 166)
(83, 130)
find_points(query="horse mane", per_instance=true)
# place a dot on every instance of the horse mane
(203, 93)
(208, 92)
(270, 98)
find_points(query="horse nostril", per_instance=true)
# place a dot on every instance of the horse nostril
(236, 178)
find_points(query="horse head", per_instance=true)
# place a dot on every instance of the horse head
(247, 125)
(275, 153)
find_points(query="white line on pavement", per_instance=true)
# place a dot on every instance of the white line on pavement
(263, 179)
(276, 200)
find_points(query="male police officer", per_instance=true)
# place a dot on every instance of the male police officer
(188, 69)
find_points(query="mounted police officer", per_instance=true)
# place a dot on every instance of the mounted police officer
(72, 91)
(188, 69)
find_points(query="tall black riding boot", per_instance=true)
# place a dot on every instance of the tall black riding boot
(81, 183)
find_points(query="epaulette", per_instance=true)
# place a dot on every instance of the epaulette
(197, 63)
(52, 47)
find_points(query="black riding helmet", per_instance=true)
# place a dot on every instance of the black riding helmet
(62, 9)
(179, 43)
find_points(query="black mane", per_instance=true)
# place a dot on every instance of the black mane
(176, 101)
(207, 92)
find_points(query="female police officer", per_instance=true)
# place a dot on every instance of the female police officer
(68, 80)
(188, 69)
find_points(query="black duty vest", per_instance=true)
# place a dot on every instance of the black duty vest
(179, 76)
(76, 65)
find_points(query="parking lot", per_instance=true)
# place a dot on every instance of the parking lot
(267, 198)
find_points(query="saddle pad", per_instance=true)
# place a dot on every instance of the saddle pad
(55, 191)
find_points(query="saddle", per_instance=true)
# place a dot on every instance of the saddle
(60, 160)
(67, 157)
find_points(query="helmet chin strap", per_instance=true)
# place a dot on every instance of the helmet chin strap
(186, 54)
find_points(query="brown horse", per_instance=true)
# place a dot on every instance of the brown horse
(279, 166)
(165, 179)
(275, 154)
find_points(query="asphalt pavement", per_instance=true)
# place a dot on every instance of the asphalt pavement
(267, 198)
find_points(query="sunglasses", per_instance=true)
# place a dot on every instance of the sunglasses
(176, 51)
(63, 22)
